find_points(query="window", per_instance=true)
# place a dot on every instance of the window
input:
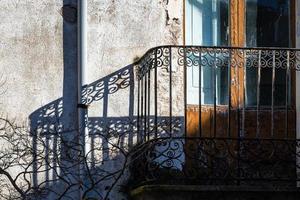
(257, 23)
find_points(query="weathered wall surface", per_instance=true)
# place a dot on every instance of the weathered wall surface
(32, 48)
(31, 61)
(38, 57)
(120, 31)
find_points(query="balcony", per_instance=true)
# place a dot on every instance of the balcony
(216, 119)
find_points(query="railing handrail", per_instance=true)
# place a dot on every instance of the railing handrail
(214, 47)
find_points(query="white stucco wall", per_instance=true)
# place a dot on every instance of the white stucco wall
(31, 61)
(120, 31)
(38, 55)
(32, 47)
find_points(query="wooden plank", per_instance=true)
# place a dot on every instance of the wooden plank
(237, 39)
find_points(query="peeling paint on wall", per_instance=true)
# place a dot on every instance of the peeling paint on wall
(173, 21)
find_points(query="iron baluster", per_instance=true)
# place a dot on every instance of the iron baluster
(200, 92)
(229, 95)
(170, 91)
(138, 107)
(155, 94)
(185, 90)
(214, 67)
(287, 89)
(273, 90)
(149, 93)
(258, 95)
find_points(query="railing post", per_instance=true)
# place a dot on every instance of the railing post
(145, 104)
(258, 95)
(273, 91)
(200, 93)
(214, 68)
(170, 90)
(155, 94)
(244, 90)
(142, 105)
(138, 106)
(287, 93)
(185, 90)
(149, 103)
(229, 93)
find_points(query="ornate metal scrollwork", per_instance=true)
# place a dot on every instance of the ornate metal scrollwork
(214, 161)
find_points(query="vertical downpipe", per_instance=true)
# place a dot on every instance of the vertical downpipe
(82, 60)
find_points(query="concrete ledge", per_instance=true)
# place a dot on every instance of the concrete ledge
(191, 192)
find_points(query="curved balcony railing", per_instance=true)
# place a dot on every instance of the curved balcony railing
(217, 115)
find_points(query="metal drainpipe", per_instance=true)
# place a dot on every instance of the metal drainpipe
(82, 61)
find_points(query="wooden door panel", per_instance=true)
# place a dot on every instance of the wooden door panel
(254, 127)
(207, 121)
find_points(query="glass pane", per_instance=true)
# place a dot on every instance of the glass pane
(207, 25)
(267, 25)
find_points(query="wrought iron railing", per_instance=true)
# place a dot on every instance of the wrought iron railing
(266, 163)
(229, 116)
